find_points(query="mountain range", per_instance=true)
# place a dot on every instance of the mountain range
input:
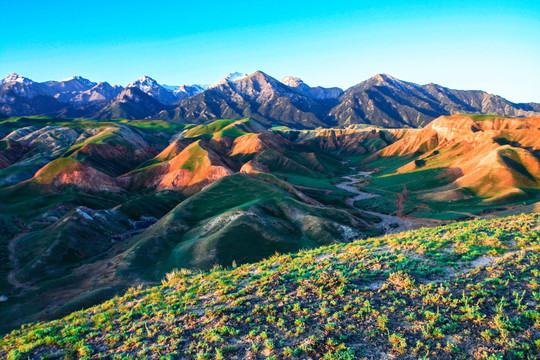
(380, 101)
(112, 187)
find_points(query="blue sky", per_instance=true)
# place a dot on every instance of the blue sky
(488, 45)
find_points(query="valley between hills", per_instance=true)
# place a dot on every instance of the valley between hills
(90, 209)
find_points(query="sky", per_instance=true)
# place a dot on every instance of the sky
(488, 45)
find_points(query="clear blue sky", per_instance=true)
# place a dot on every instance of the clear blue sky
(488, 45)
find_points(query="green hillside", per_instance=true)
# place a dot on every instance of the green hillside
(90, 208)
(459, 291)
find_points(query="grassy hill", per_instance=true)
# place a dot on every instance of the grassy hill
(457, 167)
(90, 208)
(464, 290)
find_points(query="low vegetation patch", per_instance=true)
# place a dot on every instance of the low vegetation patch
(465, 290)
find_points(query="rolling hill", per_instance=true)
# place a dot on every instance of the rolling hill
(457, 166)
(89, 208)
(92, 207)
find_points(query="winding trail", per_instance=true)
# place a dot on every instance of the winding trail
(389, 224)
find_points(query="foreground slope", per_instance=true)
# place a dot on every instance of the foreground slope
(465, 290)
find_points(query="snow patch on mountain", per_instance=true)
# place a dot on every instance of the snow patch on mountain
(292, 81)
(154, 89)
(16, 78)
(231, 77)
(145, 83)
(77, 80)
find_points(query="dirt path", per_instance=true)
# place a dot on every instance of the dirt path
(348, 186)
(389, 224)
(400, 199)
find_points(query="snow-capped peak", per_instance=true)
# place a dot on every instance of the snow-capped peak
(235, 76)
(292, 81)
(146, 84)
(154, 89)
(16, 78)
(144, 81)
(76, 77)
(80, 80)
(231, 77)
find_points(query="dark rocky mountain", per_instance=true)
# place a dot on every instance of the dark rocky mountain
(386, 101)
(131, 103)
(258, 96)
(317, 92)
(381, 101)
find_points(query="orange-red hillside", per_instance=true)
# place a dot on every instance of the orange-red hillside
(490, 155)
(64, 172)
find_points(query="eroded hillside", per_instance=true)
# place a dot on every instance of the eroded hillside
(89, 208)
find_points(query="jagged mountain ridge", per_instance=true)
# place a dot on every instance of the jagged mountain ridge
(318, 92)
(386, 101)
(259, 96)
(381, 100)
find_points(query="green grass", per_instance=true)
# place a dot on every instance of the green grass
(483, 117)
(13, 123)
(232, 132)
(378, 204)
(211, 128)
(466, 290)
(197, 156)
(241, 218)
(414, 181)
(307, 181)
(51, 170)
(420, 185)
(240, 189)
